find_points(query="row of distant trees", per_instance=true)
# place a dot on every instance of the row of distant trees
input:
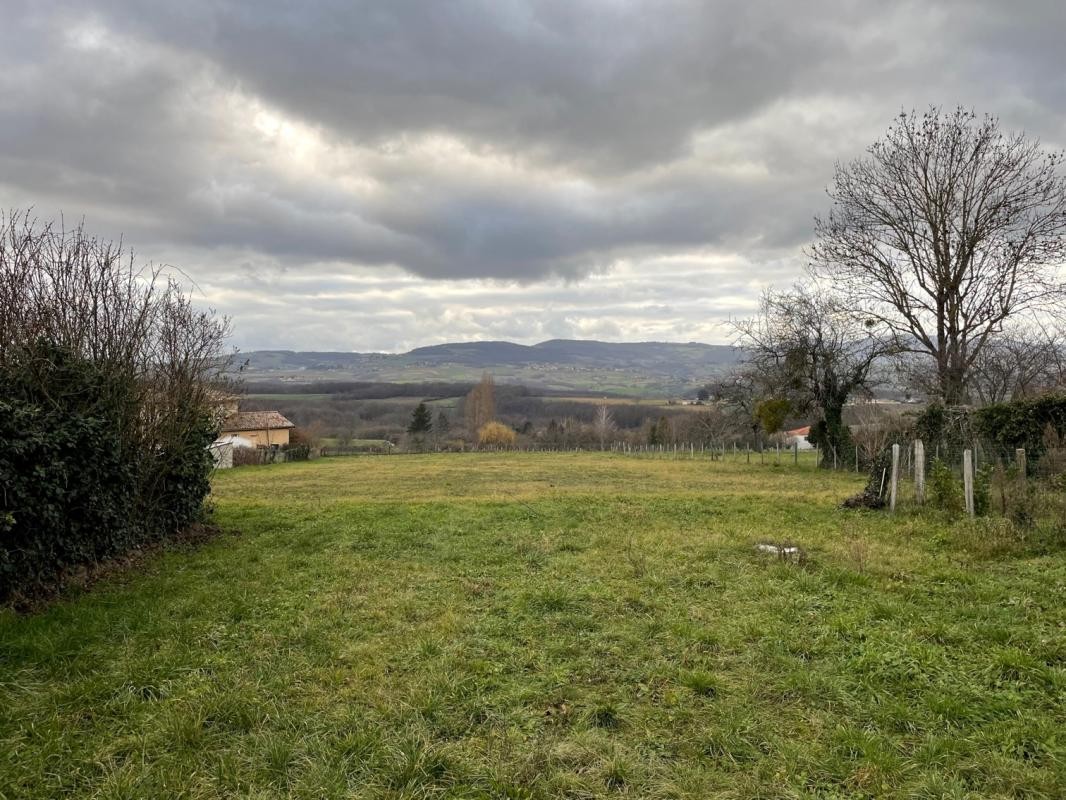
(479, 412)
(712, 425)
(478, 409)
(938, 265)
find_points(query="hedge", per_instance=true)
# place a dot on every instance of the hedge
(76, 486)
(1023, 423)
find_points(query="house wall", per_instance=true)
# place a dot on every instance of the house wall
(264, 437)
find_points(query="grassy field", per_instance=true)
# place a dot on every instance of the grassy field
(540, 626)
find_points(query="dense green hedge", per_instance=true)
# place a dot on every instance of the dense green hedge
(77, 487)
(1023, 423)
(1003, 427)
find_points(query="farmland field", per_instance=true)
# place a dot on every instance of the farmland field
(547, 625)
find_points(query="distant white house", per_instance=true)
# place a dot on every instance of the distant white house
(798, 438)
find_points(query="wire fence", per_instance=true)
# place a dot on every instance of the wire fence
(977, 478)
(734, 452)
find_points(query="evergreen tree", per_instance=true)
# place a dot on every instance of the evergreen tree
(660, 432)
(442, 426)
(421, 421)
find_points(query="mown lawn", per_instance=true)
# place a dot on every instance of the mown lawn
(546, 625)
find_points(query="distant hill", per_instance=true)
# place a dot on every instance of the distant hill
(642, 368)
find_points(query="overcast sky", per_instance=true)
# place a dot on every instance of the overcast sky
(381, 175)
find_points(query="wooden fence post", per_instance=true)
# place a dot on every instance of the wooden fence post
(967, 479)
(796, 453)
(893, 487)
(919, 471)
(1019, 459)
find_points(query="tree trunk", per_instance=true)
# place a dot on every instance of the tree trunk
(952, 382)
(831, 435)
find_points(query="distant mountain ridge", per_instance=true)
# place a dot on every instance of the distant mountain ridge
(571, 351)
(556, 363)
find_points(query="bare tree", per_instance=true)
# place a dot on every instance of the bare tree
(89, 297)
(479, 406)
(809, 350)
(738, 393)
(1022, 362)
(710, 426)
(944, 231)
(603, 424)
(874, 428)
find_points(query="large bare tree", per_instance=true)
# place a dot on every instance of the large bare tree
(947, 228)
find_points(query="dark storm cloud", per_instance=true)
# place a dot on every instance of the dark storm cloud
(490, 139)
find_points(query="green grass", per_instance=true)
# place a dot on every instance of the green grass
(546, 625)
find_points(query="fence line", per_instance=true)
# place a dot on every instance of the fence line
(725, 451)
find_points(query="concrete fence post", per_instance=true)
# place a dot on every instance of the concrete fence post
(967, 479)
(893, 486)
(919, 471)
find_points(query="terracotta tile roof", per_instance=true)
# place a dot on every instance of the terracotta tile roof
(799, 431)
(255, 421)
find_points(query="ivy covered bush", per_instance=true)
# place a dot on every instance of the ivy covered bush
(944, 489)
(108, 396)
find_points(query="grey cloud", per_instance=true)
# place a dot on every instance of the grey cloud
(597, 83)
